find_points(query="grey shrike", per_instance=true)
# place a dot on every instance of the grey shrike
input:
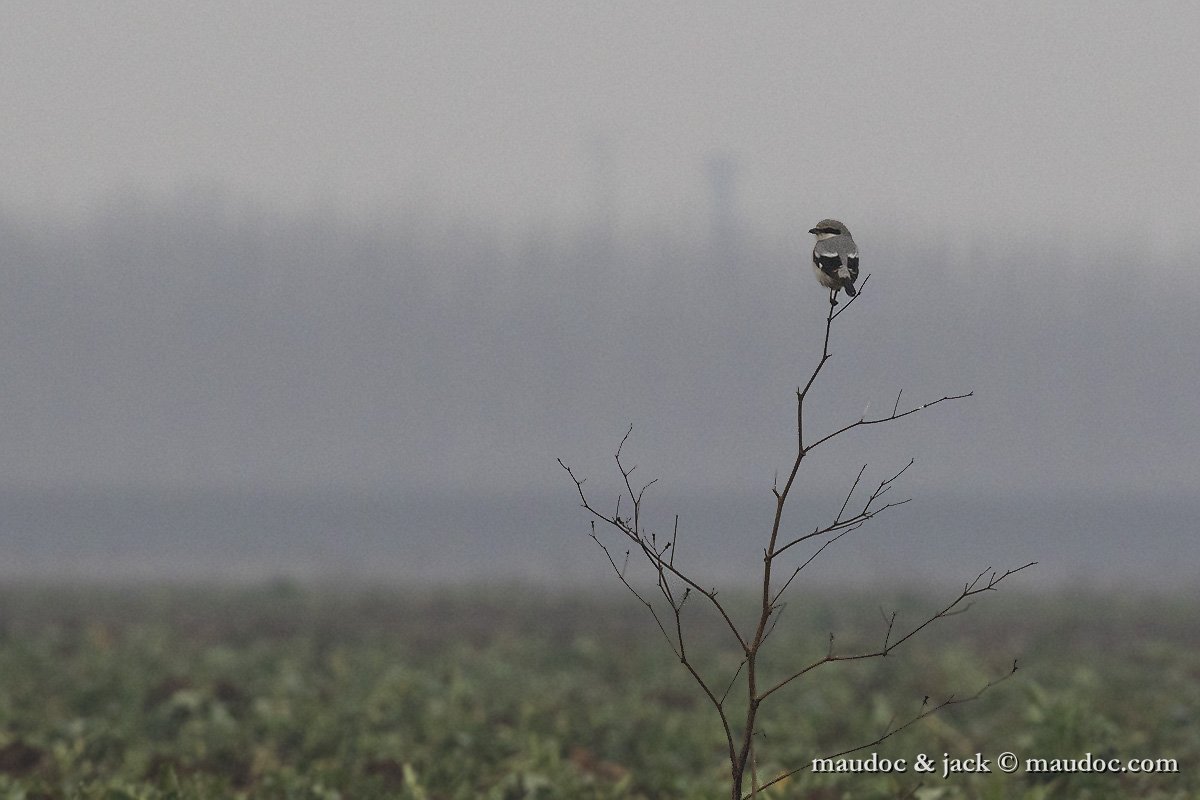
(835, 258)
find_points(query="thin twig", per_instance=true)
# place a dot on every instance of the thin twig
(624, 527)
(926, 710)
(970, 589)
(889, 417)
(850, 493)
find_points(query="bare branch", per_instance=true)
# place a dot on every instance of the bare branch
(891, 623)
(677, 645)
(634, 535)
(777, 613)
(852, 523)
(674, 539)
(849, 302)
(926, 710)
(642, 600)
(858, 519)
(888, 418)
(972, 588)
(732, 681)
(809, 560)
(850, 493)
(624, 439)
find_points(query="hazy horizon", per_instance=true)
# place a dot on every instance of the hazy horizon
(200, 374)
(403, 257)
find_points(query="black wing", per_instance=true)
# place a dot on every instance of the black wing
(852, 263)
(829, 263)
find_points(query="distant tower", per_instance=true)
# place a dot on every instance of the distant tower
(724, 228)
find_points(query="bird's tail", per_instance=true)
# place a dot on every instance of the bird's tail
(850, 290)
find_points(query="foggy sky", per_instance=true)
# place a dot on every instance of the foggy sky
(1066, 118)
(422, 251)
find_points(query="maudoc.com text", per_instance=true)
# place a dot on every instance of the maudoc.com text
(1006, 762)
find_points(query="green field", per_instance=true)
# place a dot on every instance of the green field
(286, 691)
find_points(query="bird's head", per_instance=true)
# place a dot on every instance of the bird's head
(828, 227)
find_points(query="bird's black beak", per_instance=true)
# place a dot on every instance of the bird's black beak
(812, 230)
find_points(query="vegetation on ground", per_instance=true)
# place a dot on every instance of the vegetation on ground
(288, 691)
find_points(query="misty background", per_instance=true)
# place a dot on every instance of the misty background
(325, 293)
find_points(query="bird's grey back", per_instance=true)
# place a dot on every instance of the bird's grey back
(842, 245)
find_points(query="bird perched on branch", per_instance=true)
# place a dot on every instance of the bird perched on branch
(835, 258)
